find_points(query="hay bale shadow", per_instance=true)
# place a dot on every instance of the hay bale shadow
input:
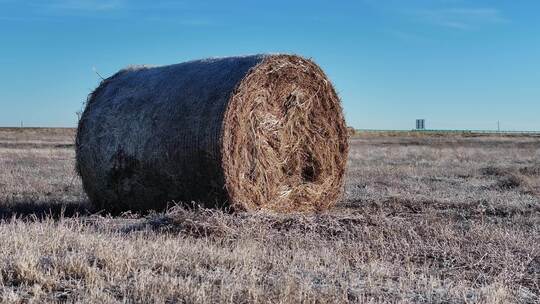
(42, 209)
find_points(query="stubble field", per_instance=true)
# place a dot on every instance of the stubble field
(424, 219)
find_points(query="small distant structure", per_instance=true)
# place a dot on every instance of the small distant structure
(420, 124)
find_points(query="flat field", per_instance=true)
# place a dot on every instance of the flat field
(424, 219)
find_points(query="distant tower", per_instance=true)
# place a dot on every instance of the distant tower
(420, 124)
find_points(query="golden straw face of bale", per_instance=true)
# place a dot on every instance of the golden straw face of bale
(284, 138)
(251, 132)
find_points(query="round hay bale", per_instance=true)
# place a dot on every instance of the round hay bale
(253, 132)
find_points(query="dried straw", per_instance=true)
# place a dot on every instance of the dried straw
(254, 132)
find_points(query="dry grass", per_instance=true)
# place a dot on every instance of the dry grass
(424, 220)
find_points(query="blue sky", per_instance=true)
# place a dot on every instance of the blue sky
(458, 64)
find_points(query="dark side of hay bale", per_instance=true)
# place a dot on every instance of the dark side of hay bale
(253, 132)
